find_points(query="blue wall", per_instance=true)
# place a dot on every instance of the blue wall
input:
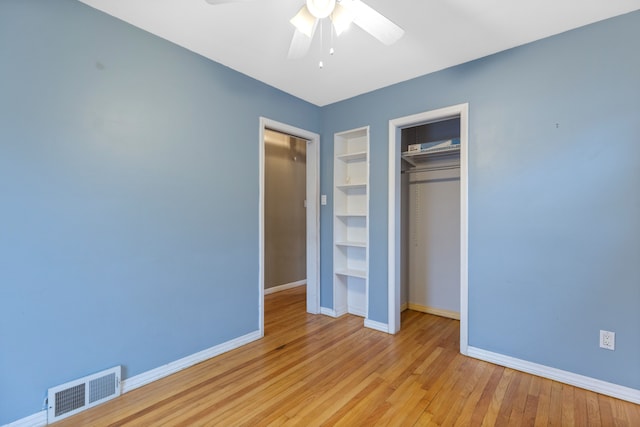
(123, 239)
(129, 198)
(554, 205)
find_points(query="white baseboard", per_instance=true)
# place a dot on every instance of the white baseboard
(436, 311)
(36, 420)
(588, 383)
(358, 312)
(328, 312)
(40, 419)
(284, 287)
(378, 326)
(180, 364)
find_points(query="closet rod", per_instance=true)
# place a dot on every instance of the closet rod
(433, 168)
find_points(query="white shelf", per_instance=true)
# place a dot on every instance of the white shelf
(360, 155)
(351, 215)
(361, 274)
(352, 244)
(416, 157)
(351, 222)
(347, 187)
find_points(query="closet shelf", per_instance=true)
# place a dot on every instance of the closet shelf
(417, 157)
(360, 155)
(352, 273)
(352, 244)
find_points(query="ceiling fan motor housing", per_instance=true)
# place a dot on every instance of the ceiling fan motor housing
(321, 8)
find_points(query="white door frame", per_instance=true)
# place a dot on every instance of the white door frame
(395, 128)
(313, 212)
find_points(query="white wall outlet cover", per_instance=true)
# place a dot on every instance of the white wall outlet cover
(323, 199)
(608, 340)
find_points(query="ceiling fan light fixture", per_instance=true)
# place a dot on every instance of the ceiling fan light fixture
(321, 8)
(305, 22)
(341, 19)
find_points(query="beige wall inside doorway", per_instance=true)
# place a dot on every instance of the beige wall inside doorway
(285, 216)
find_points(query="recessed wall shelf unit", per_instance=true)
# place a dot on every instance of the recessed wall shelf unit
(351, 222)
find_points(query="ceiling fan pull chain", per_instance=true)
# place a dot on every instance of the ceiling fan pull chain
(333, 40)
(321, 64)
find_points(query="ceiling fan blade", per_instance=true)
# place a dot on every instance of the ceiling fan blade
(300, 45)
(373, 22)
(305, 22)
(227, 1)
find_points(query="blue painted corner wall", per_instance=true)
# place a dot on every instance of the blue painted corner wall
(554, 205)
(129, 185)
(129, 198)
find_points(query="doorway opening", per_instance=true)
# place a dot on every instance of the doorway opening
(396, 126)
(285, 225)
(312, 215)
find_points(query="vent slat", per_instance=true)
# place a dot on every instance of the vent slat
(102, 387)
(69, 399)
(76, 396)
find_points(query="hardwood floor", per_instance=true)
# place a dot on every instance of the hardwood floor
(314, 370)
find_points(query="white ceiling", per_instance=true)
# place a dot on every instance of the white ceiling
(253, 37)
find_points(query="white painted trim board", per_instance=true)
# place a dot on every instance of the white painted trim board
(395, 128)
(313, 212)
(378, 326)
(284, 287)
(432, 310)
(180, 364)
(566, 377)
(40, 418)
(328, 312)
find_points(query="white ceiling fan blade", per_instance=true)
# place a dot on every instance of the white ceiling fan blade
(300, 45)
(305, 22)
(373, 22)
(227, 1)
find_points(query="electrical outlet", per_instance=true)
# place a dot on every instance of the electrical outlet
(608, 340)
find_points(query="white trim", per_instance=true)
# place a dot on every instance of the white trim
(328, 312)
(180, 364)
(433, 310)
(356, 312)
(261, 169)
(577, 380)
(464, 228)
(284, 287)
(313, 213)
(38, 419)
(378, 326)
(395, 126)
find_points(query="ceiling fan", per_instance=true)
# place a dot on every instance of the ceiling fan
(341, 13)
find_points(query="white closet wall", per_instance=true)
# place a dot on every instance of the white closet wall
(434, 245)
(431, 223)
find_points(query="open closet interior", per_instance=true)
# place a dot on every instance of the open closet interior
(430, 218)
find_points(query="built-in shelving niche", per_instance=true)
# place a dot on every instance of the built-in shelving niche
(351, 222)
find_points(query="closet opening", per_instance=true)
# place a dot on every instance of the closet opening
(428, 216)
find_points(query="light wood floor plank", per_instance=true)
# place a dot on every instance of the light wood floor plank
(318, 371)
